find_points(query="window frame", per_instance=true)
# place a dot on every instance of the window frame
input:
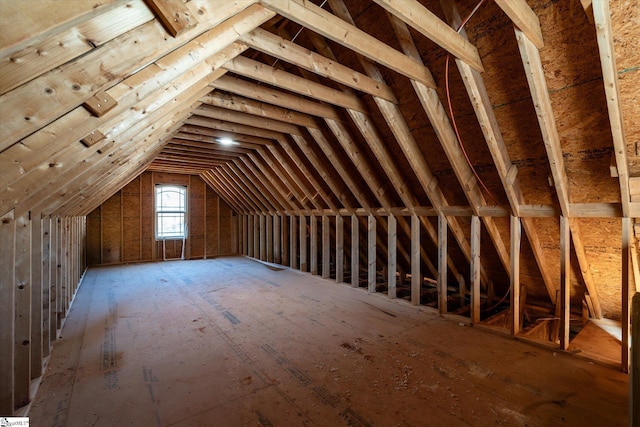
(159, 210)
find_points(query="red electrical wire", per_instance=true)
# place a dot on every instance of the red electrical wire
(453, 119)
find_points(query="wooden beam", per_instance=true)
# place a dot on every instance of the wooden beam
(355, 251)
(277, 239)
(524, 18)
(224, 114)
(565, 282)
(442, 264)
(22, 322)
(326, 247)
(7, 311)
(514, 275)
(37, 292)
(293, 242)
(416, 274)
(304, 264)
(429, 25)
(634, 371)
(313, 244)
(372, 253)
(285, 50)
(392, 262)
(604, 33)
(322, 22)
(627, 233)
(475, 269)
(271, 96)
(174, 15)
(542, 103)
(339, 248)
(267, 74)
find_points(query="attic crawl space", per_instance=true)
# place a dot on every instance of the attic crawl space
(476, 160)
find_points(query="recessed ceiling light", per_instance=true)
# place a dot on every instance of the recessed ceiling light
(226, 141)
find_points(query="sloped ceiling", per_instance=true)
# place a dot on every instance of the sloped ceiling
(342, 107)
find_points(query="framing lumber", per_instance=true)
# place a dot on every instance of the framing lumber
(339, 248)
(625, 269)
(174, 15)
(326, 247)
(565, 282)
(542, 103)
(514, 275)
(22, 322)
(416, 274)
(507, 171)
(429, 25)
(322, 22)
(524, 18)
(392, 258)
(313, 245)
(475, 269)
(372, 253)
(604, 33)
(286, 50)
(7, 311)
(293, 242)
(442, 264)
(355, 251)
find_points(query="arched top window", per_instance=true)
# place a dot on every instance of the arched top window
(171, 212)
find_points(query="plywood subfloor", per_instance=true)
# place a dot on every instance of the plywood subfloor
(230, 341)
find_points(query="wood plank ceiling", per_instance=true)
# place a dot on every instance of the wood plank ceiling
(348, 107)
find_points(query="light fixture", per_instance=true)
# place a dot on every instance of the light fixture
(226, 141)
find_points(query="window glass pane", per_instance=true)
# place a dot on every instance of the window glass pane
(170, 211)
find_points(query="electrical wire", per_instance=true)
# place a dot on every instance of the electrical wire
(453, 119)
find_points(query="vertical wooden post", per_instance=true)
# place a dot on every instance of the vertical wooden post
(268, 222)
(46, 286)
(249, 235)
(286, 239)
(54, 278)
(514, 277)
(416, 273)
(355, 251)
(565, 281)
(313, 244)
(392, 261)
(634, 381)
(371, 270)
(293, 241)
(256, 235)
(277, 239)
(627, 229)
(36, 296)
(326, 247)
(22, 337)
(303, 243)
(442, 263)
(339, 249)
(7, 311)
(475, 269)
(263, 238)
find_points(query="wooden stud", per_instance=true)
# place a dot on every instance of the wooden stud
(442, 264)
(625, 268)
(326, 247)
(7, 311)
(313, 245)
(634, 381)
(304, 234)
(256, 236)
(355, 251)
(392, 262)
(263, 238)
(22, 322)
(371, 270)
(475, 269)
(46, 285)
(277, 239)
(36, 295)
(174, 15)
(293, 241)
(565, 282)
(339, 252)
(514, 276)
(416, 274)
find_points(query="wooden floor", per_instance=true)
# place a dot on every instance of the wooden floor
(231, 341)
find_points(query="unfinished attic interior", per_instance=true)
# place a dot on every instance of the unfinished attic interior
(193, 189)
